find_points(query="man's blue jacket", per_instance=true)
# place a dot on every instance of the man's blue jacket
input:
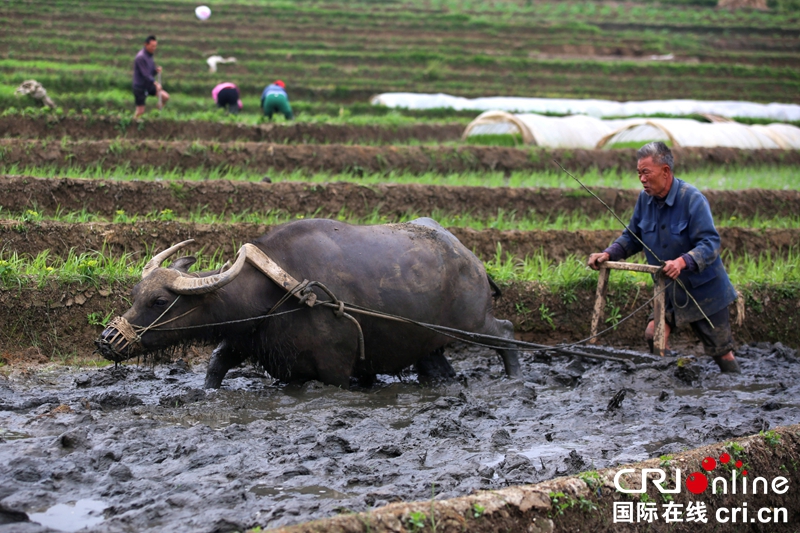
(682, 225)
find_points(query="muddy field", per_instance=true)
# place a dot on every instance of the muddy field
(262, 157)
(106, 197)
(146, 449)
(167, 130)
(139, 238)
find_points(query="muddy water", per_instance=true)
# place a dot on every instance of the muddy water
(146, 449)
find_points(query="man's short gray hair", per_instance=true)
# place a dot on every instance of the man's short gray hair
(659, 151)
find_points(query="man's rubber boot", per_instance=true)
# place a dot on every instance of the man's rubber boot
(728, 364)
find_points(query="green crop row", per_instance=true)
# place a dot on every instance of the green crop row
(502, 220)
(319, 65)
(743, 270)
(115, 106)
(460, 14)
(112, 106)
(722, 178)
(486, 50)
(368, 82)
(100, 268)
(346, 51)
(331, 65)
(675, 11)
(90, 267)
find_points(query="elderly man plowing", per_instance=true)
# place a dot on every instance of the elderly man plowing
(674, 220)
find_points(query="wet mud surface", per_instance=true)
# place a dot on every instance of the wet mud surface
(146, 449)
(106, 197)
(143, 237)
(168, 130)
(355, 159)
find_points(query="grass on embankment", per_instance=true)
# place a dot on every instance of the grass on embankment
(504, 219)
(720, 178)
(115, 104)
(98, 268)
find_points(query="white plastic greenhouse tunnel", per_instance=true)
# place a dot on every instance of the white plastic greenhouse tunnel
(580, 131)
(691, 133)
(596, 108)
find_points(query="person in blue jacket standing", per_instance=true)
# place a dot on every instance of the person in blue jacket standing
(674, 220)
(275, 100)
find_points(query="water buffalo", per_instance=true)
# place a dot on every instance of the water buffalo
(417, 270)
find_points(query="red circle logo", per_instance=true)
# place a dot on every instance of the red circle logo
(697, 482)
(709, 464)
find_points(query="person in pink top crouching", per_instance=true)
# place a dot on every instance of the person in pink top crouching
(226, 95)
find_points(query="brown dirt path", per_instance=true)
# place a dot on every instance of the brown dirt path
(261, 157)
(105, 197)
(169, 130)
(143, 237)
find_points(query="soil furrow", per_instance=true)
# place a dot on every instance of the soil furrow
(299, 132)
(143, 237)
(106, 197)
(262, 157)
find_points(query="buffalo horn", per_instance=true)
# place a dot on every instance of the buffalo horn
(192, 285)
(157, 259)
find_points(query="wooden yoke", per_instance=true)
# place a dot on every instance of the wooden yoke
(659, 303)
(273, 271)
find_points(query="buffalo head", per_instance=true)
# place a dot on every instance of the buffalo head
(165, 301)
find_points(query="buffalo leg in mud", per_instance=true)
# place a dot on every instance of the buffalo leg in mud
(222, 359)
(434, 367)
(510, 356)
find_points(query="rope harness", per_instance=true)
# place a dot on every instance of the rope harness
(130, 334)
(306, 298)
(303, 290)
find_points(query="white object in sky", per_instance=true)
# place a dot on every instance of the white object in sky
(202, 12)
(596, 108)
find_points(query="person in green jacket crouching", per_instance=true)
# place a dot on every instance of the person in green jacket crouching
(274, 99)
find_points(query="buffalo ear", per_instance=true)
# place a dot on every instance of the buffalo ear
(184, 263)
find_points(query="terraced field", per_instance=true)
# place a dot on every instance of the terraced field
(334, 54)
(526, 235)
(73, 247)
(87, 195)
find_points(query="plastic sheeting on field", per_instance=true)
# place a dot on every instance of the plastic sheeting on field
(785, 135)
(595, 108)
(577, 131)
(588, 132)
(686, 132)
